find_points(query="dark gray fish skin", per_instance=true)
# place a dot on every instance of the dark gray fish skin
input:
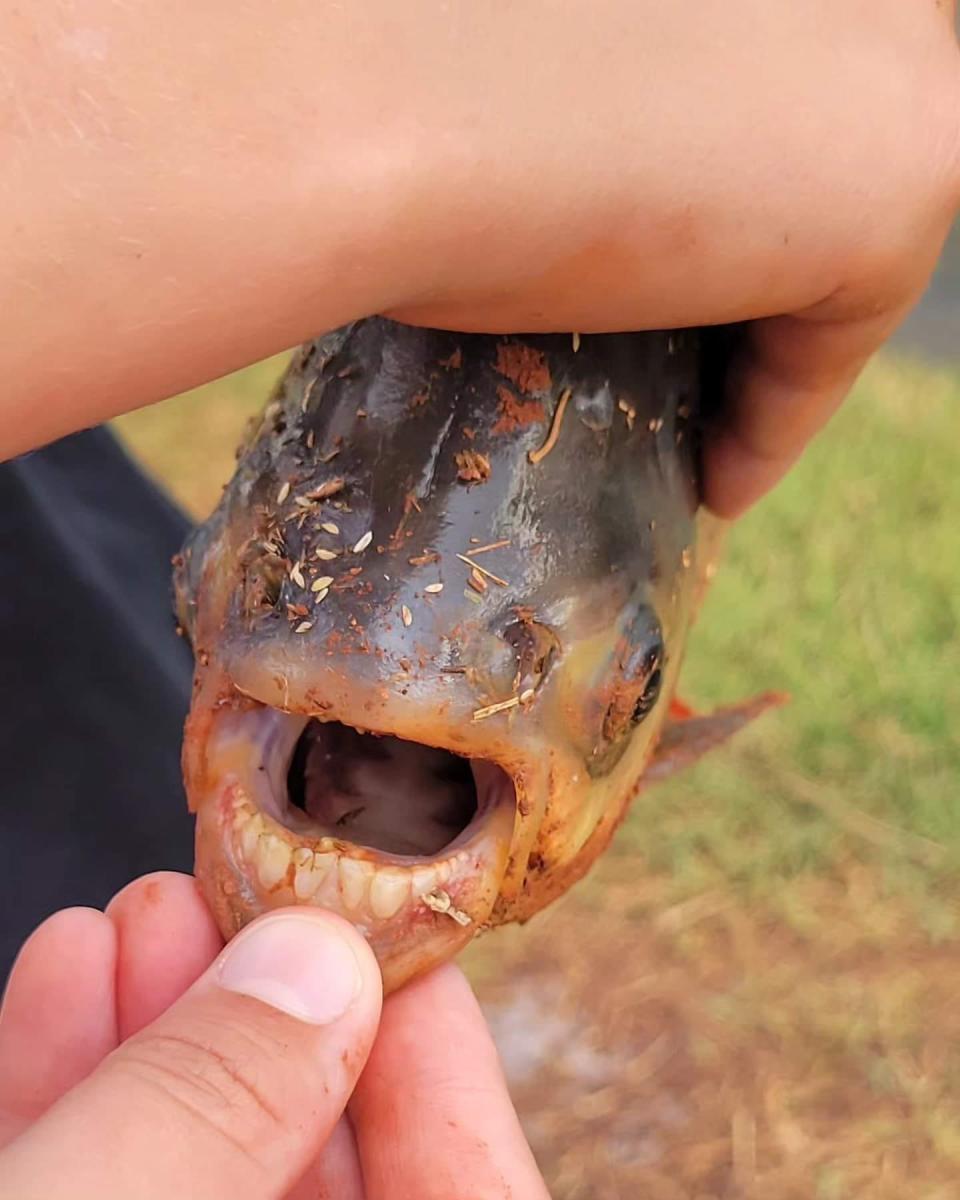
(400, 450)
(383, 408)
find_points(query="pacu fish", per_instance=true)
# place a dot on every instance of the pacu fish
(437, 620)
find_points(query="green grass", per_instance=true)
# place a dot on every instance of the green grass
(842, 588)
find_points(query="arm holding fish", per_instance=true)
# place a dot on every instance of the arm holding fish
(187, 190)
(136, 1059)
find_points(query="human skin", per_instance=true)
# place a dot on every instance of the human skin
(127, 1068)
(189, 187)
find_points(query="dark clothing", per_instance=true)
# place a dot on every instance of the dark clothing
(95, 682)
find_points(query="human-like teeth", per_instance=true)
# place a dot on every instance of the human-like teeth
(423, 880)
(242, 814)
(326, 876)
(310, 870)
(389, 890)
(354, 880)
(273, 860)
(250, 837)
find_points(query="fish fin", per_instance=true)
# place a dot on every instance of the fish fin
(680, 710)
(687, 739)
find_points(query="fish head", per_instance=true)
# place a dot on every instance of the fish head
(437, 619)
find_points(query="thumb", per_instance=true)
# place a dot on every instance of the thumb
(232, 1091)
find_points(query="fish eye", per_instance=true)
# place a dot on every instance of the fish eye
(649, 695)
(636, 686)
(631, 689)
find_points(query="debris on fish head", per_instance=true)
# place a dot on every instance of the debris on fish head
(437, 619)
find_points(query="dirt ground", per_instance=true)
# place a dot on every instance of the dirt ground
(708, 1050)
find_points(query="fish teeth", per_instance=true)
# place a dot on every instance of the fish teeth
(242, 812)
(310, 870)
(389, 891)
(250, 837)
(354, 881)
(423, 880)
(273, 859)
(358, 885)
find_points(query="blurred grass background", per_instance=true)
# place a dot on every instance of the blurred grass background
(842, 588)
(776, 930)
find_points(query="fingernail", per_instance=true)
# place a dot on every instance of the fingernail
(298, 964)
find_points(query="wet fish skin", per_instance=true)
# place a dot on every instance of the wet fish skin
(417, 446)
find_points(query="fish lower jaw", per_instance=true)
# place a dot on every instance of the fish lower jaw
(280, 867)
(257, 850)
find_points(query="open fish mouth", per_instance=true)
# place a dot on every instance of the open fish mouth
(399, 837)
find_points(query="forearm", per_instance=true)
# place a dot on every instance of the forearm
(189, 186)
(185, 188)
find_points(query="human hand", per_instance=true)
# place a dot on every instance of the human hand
(129, 1066)
(645, 165)
(213, 183)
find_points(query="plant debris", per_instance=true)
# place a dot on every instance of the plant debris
(489, 546)
(472, 466)
(523, 366)
(481, 714)
(483, 570)
(536, 456)
(440, 902)
(307, 393)
(325, 490)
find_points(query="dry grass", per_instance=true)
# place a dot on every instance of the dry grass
(710, 1049)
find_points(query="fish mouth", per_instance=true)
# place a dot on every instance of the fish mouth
(407, 841)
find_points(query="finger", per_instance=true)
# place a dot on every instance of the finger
(432, 1113)
(231, 1093)
(166, 939)
(335, 1174)
(58, 1019)
(788, 379)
